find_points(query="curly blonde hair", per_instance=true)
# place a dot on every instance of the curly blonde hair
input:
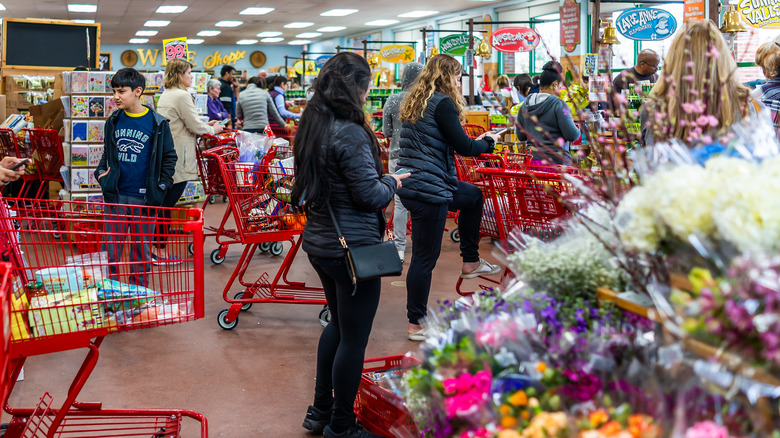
(768, 57)
(438, 75)
(173, 72)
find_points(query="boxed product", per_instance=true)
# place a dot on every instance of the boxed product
(65, 312)
(94, 267)
(60, 279)
(121, 296)
(19, 329)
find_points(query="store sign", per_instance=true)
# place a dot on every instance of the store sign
(590, 64)
(397, 53)
(456, 44)
(515, 39)
(646, 24)
(570, 25)
(311, 67)
(320, 62)
(761, 13)
(694, 10)
(216, 59)
(175, 48)
(150, 57)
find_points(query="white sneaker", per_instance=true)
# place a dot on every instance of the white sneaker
(484, 268)
(401, 255)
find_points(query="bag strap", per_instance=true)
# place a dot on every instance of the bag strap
(342, 240)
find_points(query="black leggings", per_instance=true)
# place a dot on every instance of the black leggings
(170, 200)
(342, 345)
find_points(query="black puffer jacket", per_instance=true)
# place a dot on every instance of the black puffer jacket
(358, 193)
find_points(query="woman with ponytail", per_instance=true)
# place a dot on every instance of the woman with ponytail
(337, 167)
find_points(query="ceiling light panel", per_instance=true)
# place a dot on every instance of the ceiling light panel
(84, 21)
(338, 12)
(246, 42)
(418, 14)
(2, 7)
(298, 42)
(139, 40)
(171, 9)
(228, 23)
(269, 33)
(331, 29)
(82, 8)
(272, 40)
(146, 33)
(256, 11)
(381, 22)
(308, 35)
(194, 41)
(157, 23)
(298, 24)
(209, 33)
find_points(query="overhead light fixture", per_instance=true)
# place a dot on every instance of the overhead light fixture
(256, 11)
(272, 40)
(194, 41)
(331, 29)
(171, 9)
(157, 23)
(209, 32)
(269, 33)
(139, 40)
(146, 33)
(418, 14)
(84, 20)
(246, 42)
(228, 23)
(2, 7)
(308, 35)
(82, 8)
(298, 42)
(298, 24)
(338, 12)
(381, 22)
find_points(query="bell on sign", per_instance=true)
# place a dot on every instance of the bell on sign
(515, 39)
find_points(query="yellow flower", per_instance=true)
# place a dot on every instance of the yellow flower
(509, 433)
(525, 415)
(505, 409)
(542, 367)
(519, 399)
(597, 418)
(508, 422)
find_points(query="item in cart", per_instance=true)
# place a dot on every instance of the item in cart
(94, 267)
(157, 313)
(67, 312)
(293, 222)
(19, 304)
(79, 106)
(282, 189)
(259, 220)
(122, 296)
(245, 173)
(60, 279)
(97, 106)
(97, 82)
(79, 131)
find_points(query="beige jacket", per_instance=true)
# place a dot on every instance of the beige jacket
(177, 105)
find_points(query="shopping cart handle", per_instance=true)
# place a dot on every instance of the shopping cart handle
(87, 406)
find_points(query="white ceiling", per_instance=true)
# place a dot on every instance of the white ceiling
(121, 19)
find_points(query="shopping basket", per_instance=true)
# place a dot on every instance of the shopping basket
(379, 409)
(259, 196)
(210, 171)
(67, 298)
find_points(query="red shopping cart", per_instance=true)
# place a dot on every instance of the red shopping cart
(378, 408)
(66, 298)
(48, 157)
(473, 130)
(210, 175)
(5, 329)
(10, 147)
(259, 198)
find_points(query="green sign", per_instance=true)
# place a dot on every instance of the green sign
(456, 44)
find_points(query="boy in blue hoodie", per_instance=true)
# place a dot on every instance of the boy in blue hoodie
(136, 170)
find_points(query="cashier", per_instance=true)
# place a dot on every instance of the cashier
(216, 109)
(646, 69)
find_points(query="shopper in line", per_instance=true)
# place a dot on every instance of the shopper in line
(176, 104)
(646, 69)
(431, 113)
(278, 86)
(504, 92)
(262, 74)
(391, 125)
(768, 58)
(698, 69)
(522, 84)
(228, 92)
(337, 167)
(547, 111)
(255, 105)
(216, 109)
(136, 169)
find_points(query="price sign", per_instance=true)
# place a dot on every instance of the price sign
(469, 58)
(175, 48)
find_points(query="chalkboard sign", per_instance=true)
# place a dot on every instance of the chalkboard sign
(49, 44)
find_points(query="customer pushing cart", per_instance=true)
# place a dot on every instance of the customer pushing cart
(67, 294)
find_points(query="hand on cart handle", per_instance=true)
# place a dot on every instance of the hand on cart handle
(11, 169)
(104, 173)
(399, 177)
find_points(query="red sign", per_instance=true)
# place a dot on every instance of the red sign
(515, 39)
(694, 10)
(570, 25)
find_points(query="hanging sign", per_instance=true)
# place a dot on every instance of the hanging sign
(319, 62)
(515, 39)
(175, 48)
(429, 42)
(765, 13)
(311, 67)
(397, 54)
(646, 24)
(590, 64)
(570, 25)
(694, 10)
(456, 44)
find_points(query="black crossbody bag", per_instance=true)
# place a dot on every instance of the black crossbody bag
(369, 261)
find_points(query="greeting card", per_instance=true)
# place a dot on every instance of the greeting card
(97, 107)
(97, 82)
(94, 155)
(95, 130)
(79, 155)
(110, 106)
(109, 76)
(148, 100)
(79, 106)
(79, 131)
(79, 82)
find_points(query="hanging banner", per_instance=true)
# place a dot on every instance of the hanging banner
(570, 25)
(765, 13)
(646, 24)
(311, 67)
(319, 62)
(694, 10)
(456, 44)
(175, 48)
(590, 65)
(515, 39)
(397, 54)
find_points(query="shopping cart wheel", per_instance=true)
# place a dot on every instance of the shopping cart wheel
(212, 199)
(191, 248)
(455, 235)
(246, 306)
(277, 248)
(325, 316)
(215, 258)
(224, 199)
(265, 246)
(221, 320)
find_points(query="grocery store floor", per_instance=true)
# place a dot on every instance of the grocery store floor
(253, 381)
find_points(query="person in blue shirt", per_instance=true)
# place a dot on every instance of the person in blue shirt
(277, 87)
(136, 170)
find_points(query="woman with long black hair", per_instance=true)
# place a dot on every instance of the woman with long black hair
(337, 167)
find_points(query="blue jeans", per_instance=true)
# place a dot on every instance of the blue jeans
(130, 220)
(400, 215)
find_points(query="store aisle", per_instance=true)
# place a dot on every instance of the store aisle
(254, 381)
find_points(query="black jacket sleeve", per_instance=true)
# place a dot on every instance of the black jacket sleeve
(446, 116)
(103, 165)
(169, 157)
(369, 190)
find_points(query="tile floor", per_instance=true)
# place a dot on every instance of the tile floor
(253, 381)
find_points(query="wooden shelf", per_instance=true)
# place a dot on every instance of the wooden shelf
(608, 295)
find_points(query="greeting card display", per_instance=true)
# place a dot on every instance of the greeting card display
(78, 131)
(97, 82)
(79, 155)
(79, 82)
(95, 130)
(148, 100)
(201, 103)
(110, 106)
(79, 106)
(97, 107)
